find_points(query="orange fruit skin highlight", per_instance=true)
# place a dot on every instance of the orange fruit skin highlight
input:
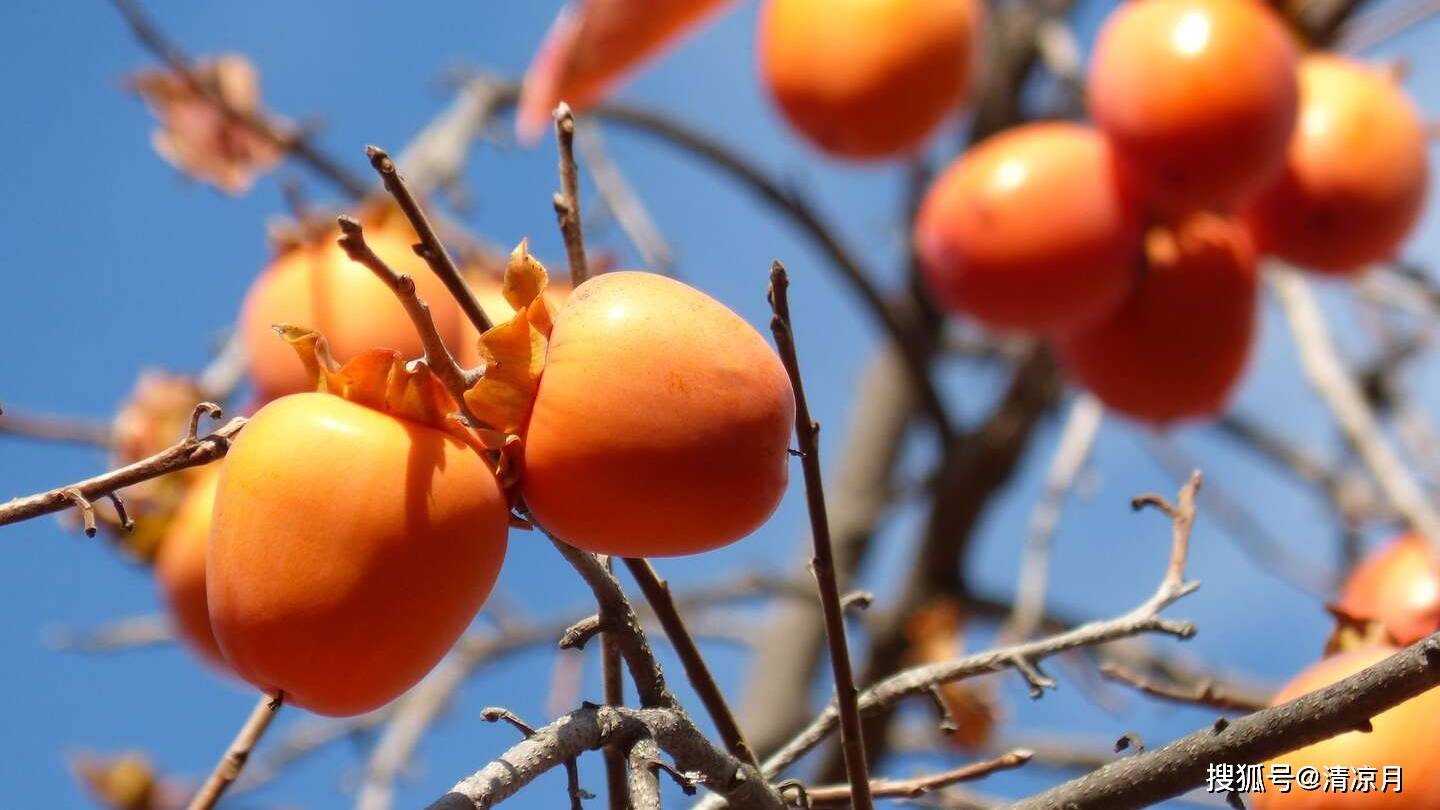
(1180, 343)
(180, 566)
(1030, 230)
(662, 422)
(865, 79)
(1398, 586)
(318, 287)
(1402, 736)
(1199, 98)
(350, 550)
(1355, 179)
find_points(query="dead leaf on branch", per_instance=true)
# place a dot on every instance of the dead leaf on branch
(936, 635)
(197, 135)
(513, 352)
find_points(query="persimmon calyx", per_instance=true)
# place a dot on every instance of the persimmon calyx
(513, 352)
(380, 379)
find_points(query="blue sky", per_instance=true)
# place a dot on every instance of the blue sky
(113, 264)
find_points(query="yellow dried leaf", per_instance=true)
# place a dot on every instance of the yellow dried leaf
(524, 286)
(196, 135)
(513, 352)
(123, 782)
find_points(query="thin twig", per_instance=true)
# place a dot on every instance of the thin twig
(431, 249)
(1333, 382)
(132, 632)
(1071, 452)
(617, 784)
(285, 138)
(189, 452)
(437, 354)
(1207, 693)
(657, 593)
(807, 435)
(230, 765)
(567, 200)
(839, 795)
(54, 428)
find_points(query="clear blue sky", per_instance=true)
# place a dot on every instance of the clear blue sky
(113, 263)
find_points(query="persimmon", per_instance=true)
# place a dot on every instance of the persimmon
(355, 536)
(593, 44)
(864, 79)
(1400, 737)
(1354, 182)
(180, 566)
(1180, 342)
(661, 424)
(1198, 96)
(315, 284)
(1397, 586)
(1030, 230)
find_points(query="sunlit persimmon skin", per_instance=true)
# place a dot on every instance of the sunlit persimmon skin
(1199, 98)
(1398, 586)
(1354, 182)
(1179, 344)
(180, 566)
(865, 79)
(1403, 737)
(318, 287)
(593, 45)
(350, 550)
(662, 422)
(1030, 231)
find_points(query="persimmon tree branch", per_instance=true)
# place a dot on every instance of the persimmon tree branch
(807, 435)
(1158, 774)
(914, 788)
(567, 200)
(1329, 377)
(430, 248)
(918, 680)
(49, 427)
(285, 138)
(192, 451)
(622, 201)
(1209, 693)
(228, 769)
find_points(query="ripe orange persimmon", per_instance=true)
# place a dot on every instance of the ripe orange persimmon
(1400, 737)
(317, 286)
(1398, 586)
(1180, 342)
(868, 78)
(661, 424)
(1030, 230)
(350, 549)
(180, 565)
(1198, 96)
(1355, 179)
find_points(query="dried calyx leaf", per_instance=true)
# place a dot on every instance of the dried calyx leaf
(513, 352)
(196, 134)
(1354, 632)
(380, 379)
(123, 782)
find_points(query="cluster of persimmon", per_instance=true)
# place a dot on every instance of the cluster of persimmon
(1392, 599)
(356, 526)
(1131, 243)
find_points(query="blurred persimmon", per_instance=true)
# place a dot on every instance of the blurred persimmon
(1030, 230)
(314, 284)
(1198, 96)
(1354, 183)
(1180, 343)
(661, 424)
(180, 566)
(1397, 586)
(356, 534)
(1400, 738)
(865, 79)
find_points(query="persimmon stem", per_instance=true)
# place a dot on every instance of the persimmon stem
(431, 249)
(227, 770)
(437, 355)
(567, 201)
(807, 434)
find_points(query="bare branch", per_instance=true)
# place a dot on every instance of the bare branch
(53, 428)
(1145, 779)
(839, 795)
(1335, 385)
(187, 453)
(567, 201)
(133, 632)
(807, 435)
(1207, 693)
(617, 784)
(431, 249)
(230, 765)
(615, 191)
